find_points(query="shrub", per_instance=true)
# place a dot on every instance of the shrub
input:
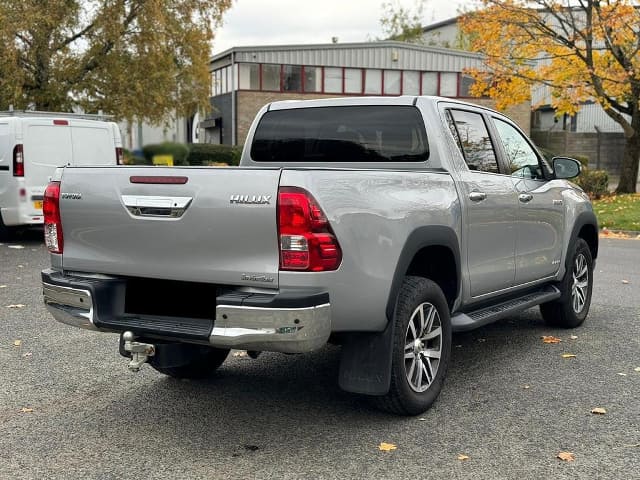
(134, 158)
(178, 151)
(594, 182)
(208, 153)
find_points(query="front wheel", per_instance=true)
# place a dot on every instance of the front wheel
(421, 348)
(571, 309)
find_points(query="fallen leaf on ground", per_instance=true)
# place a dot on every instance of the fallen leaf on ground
(241, 353)
(3, 286)
(17, 247)
(17, 343)
(526, 387)
(27, 354)
(422, 419)
(386, 447)
(637, 369)
(568, 355)
(550, 339)
(598, 411)
(622, 374)
(462, 457)
(566, 456)
(573, 337)
(625, 282)
(26, 410)
(18, 305)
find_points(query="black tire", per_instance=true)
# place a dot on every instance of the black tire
(403, 398)
(201, 363)
(561, 312)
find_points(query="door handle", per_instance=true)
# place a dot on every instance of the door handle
(477, 196)
(525, 197)
(156, 206)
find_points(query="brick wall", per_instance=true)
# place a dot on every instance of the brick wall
(249, 103)
(604, 152)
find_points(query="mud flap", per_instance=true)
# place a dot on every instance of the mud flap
(365, 362)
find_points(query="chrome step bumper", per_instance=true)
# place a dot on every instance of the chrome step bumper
(303, 328)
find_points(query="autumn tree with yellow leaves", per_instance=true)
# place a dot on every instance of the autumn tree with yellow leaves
(582, 50)
(132, 58)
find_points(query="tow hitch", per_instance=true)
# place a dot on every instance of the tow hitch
(140, 352)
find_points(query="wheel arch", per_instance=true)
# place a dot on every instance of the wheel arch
(586, 227)
(432, 252)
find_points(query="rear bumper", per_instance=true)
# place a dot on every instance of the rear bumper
(279, 323)
(21, 216)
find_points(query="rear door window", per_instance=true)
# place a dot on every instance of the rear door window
(386, 133)
(472, 136)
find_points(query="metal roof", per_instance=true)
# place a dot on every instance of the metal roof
(386, 54)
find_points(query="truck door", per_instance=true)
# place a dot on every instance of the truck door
(491, 206)
(541, 216)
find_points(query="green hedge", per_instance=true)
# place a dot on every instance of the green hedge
(208, 153)
(594, 182)
(179, 152)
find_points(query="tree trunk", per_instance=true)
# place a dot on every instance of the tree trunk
(629, 171)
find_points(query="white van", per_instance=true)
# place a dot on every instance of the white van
(33, 144)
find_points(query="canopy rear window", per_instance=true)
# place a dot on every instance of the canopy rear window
(387, 133)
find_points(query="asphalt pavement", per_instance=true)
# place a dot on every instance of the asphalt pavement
(69, 408)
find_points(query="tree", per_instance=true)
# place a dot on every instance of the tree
(402, 24)
(583, 50)
(132, 58)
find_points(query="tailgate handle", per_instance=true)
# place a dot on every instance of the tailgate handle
(156, 206)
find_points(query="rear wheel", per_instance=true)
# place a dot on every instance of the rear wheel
(197, 362)
(571, 309)
(421, 348)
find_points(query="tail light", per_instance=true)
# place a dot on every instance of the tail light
(119, 156)
(18, 161)
(52, 221)
(307, 242)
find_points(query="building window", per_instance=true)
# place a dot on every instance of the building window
(429, 83)
(449, 84)
(352, 80)
(312, 79)
(411, 83)
(392, 82)
(466, 82)
(271, 77)
(333, 80)
(291, 78)
(249, 76)
(373, 82)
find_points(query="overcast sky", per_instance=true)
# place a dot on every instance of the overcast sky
(277, 22)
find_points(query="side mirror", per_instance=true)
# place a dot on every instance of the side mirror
(564, 167)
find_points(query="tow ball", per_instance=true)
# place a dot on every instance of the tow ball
(140, 352)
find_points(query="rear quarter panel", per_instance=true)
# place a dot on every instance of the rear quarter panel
(372, 213)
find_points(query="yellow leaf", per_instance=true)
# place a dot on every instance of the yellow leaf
(598, 411)
(462, 457)
(550, 339)
(386, 447)
(17, 343)
(26, 410)
(566, 456)
(568, 355)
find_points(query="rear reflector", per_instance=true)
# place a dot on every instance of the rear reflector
(61, 122)
(160, 180)
(52, 221)
(18, 161)
(307, 242)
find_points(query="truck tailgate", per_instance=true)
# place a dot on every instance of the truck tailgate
(214, 225)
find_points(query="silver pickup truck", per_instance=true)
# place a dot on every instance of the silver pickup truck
(380, 224)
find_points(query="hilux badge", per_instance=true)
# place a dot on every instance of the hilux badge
(250, 199)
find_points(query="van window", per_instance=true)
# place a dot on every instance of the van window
(92, 146)
(388, 133)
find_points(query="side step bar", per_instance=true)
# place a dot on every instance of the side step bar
(462, 322)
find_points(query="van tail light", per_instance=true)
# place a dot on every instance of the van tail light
(307, 242)
(119, 156)
(18, 161)
(52, 221)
